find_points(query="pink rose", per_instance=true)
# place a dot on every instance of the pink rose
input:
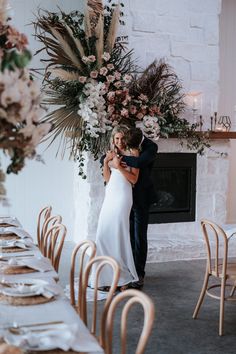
(106, 56)
(117, 84)
(110, 78)
(82, 79)
(110, 95)
(103, 71)
(92, 58)
(94, 74)
(133, 109)
(127, 78)
(111, 109)
(143, 97)
(124, 112)
(110, 66)
(117, 75)
(140, 115)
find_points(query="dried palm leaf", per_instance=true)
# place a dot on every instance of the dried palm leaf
(66, 48)
(76, 41)
(95, 10)
(63, 74)
(111, 37)
(65, 123)
(100, 40)
(95, 6)
(87, 25)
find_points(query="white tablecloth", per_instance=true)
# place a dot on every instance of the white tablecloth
(57, 310)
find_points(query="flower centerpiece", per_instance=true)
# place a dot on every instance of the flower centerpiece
(20, 112)
(95, 84)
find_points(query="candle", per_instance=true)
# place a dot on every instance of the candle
(212, 108)
(195, 103)
(201, 104)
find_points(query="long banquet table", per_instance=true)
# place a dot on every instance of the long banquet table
(57, 310)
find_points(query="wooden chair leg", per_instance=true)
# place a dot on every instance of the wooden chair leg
(222, 306)
(233, 290)
(202, 294)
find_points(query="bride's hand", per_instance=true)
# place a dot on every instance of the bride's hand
(109, 156)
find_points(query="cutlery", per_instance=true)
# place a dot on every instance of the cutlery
(18, 326)
(23, 330)
(17, 255)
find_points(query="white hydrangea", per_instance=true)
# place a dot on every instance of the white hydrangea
(150, 127)
(93, 109)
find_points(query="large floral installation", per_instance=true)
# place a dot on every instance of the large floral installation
(94, 83)
(20, 112)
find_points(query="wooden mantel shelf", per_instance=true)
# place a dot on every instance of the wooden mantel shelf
(214, 135)
(222, 135)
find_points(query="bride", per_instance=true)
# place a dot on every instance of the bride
(113, 237)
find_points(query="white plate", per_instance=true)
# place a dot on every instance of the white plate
(14, 293)
(43, 347)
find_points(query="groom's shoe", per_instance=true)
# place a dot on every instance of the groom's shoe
(138, 284)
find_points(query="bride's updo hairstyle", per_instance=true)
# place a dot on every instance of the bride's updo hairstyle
(118, 129)
(133, 138)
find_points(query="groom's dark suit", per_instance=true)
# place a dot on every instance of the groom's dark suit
(143, 197)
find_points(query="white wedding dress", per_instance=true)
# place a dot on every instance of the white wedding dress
(113, 236)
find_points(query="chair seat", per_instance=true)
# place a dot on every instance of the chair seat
(230, 272)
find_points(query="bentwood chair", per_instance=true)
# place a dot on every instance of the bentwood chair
(53, 243)
(96, 266)
(218, 268)
(44, 214)
(83, 252)
(52, 220)
(129, 297)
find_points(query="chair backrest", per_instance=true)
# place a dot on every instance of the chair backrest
(217, 247)
(133, 297)
(53, 243)
(52, 220)
(44, 214)
(84, 248)
(97, 265)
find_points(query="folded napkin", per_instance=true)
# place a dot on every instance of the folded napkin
(62, 336)
(40, 264)
(11, 220)
(23, 243)
(31, 288)
(15, 230)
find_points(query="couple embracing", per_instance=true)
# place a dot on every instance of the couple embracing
(123, 220)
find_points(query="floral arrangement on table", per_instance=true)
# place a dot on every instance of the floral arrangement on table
(20, 112)
(95, 84)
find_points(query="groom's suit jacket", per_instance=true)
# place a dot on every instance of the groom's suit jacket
(143, 192)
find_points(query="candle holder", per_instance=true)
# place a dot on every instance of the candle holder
(200, 123)
(225, 123)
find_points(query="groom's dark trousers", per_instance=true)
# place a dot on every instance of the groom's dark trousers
(143, 196)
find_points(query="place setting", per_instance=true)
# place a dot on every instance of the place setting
(24, 264)
(13, 233)
(15, 245)
(8, 221)
(28, 292)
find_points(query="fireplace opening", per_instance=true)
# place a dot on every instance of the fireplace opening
(174, 178)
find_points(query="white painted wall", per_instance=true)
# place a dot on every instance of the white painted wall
(37, 184)
(227, 102)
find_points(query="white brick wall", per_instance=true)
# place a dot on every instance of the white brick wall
(185, 32)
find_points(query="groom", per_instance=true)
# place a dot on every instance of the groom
(143, 196)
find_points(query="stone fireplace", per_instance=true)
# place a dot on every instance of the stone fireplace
(174, 179)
